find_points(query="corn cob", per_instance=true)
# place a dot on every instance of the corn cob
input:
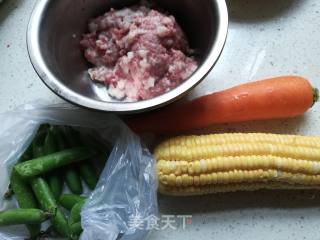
(231, 162)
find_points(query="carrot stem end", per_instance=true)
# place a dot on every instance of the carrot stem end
(316, 95)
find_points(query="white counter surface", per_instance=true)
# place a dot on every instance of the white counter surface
(266, 38)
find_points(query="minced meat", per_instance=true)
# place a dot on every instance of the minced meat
(139, 53)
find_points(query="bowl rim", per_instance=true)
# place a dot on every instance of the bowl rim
(48, 78)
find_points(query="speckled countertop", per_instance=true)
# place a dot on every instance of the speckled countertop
(266, 38)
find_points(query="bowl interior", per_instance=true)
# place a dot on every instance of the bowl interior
(64, 21)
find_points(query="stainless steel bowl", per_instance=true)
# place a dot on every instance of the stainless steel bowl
(55, 30)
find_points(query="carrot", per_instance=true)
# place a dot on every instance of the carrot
(275, 98)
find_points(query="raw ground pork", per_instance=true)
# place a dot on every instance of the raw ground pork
(137, 52)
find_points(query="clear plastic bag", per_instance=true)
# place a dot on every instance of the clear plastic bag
(127, 186)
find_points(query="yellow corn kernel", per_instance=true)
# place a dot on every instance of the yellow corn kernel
(241, 163)
(228, 138)
(244, 149)
(196, 180)
(233, 177)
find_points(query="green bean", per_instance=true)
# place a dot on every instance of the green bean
(71, 176)
(73, 180)
(75, 230)
(88, 174)
(50, 144)
(75, 213)
(59, 137)
(52, 161)
(25, 199)
(23, 216)
(24, 194)
(56, 184)
(54, 180)
(86, 171)
(48, 203)
(69, 200)
(37, 144)
(43, 194)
